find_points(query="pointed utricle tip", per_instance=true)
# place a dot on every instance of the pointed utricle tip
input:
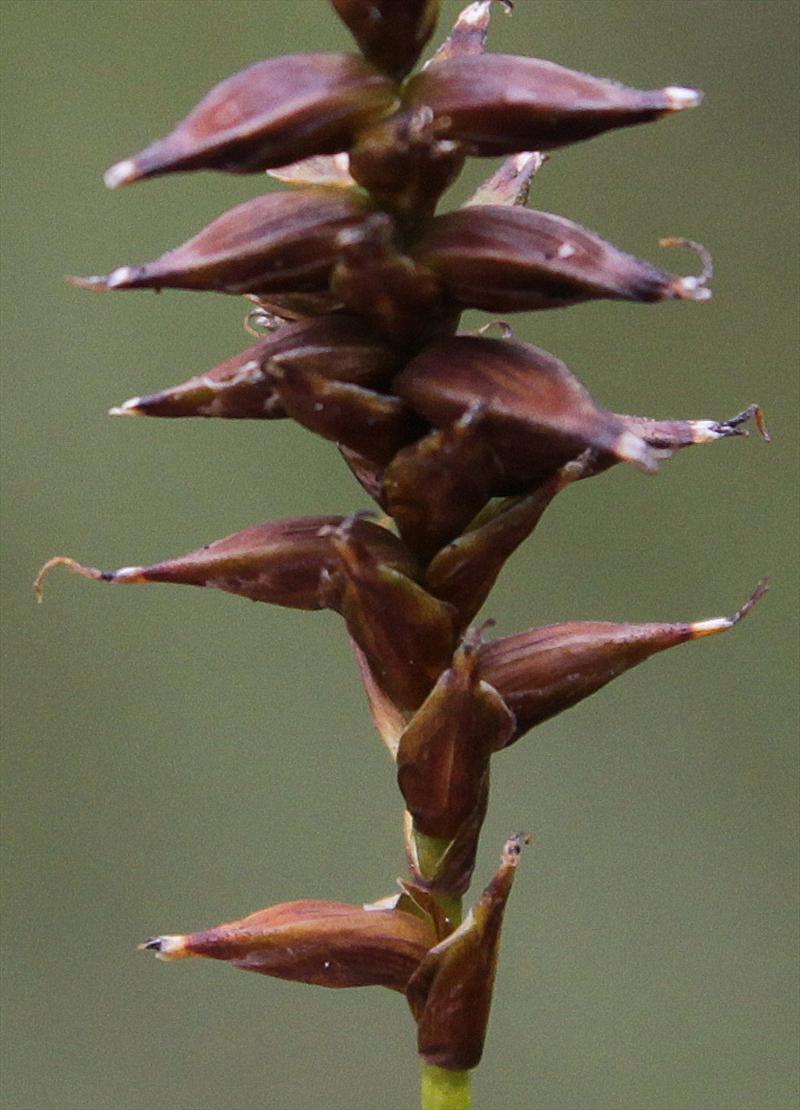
(166, 948)
(631, 448)
(475, 636)
(679, 98)
(132, 407)
(513, 847)
(121, 173)
(97, 283)
(691, 288)
(121, 278)
(721, 624)
(476, 14)
(703, 431)
(63, 561)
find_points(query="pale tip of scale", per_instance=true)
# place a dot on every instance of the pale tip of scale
(127, 408)
(122, 173)
(167, 948)
(680, 98)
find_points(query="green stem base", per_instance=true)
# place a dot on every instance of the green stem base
(443, 1089)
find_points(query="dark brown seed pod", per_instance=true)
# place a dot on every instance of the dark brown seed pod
(272, 113)
(338, 347)
(511, 259)
(329, 944)
(278, 243)
(450, 994)
(502, 103)
(392, 35)
(546, 670)
(283, 562)
(535, 414)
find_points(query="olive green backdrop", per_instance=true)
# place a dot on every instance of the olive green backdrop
(177, 758)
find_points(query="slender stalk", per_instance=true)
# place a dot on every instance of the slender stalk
(445, 1090)
(441, 1088)
(430, 850)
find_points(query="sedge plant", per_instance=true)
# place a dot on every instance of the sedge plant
(356, 284)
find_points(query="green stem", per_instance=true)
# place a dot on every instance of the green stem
(442, 1089)
(430, 850)
(445, 1090)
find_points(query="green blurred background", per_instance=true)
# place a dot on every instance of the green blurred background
(177, 758)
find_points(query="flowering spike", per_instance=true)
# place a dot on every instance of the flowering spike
(512, 259)
(281, 242)
(329, 944)
(541, 672)
(390, 34)
(502, 103)
(450, 994)
(270, 114)
(511, 183)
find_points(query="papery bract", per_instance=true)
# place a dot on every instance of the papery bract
(450, 994)
(443, 755)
